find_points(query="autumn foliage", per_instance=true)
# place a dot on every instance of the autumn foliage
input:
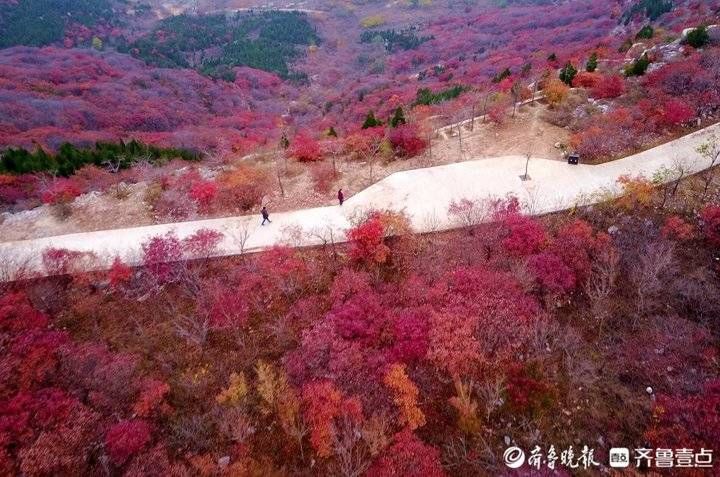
(125, 439)
(555, 91)
(405, 396)
(304, 148)
(368, 241)
(688, 421)
(406, 141)
(710, 216)
(610, 86)
(393, 353)
(323, 405)
(407, 455)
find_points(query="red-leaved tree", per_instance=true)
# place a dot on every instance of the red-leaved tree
(125, 439)
(687, 421)
(406, 140)
(304, 148)
(407, 456)
(367, 241)
(160, 255)
(710, 217)
(610, 86)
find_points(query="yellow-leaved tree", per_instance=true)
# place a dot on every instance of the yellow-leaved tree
(405, 395)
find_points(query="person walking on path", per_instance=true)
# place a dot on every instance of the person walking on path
(265, 216)
(341, 197)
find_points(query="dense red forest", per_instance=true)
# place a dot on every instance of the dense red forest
(393, 355)
(53, 95)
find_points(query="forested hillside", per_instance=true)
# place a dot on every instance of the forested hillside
(215, 44)
(44, 22)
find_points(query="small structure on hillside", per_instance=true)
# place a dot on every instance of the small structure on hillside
(573, 158)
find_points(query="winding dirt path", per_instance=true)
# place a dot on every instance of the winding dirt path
(424, 195)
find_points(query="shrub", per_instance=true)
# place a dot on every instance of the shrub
(151, 398)
(365, 142)
(687, 421)
(202, 243)
(555, 92)
(525, 235)
(677, 229)
(242, 188)
(406, 141)
(367, 241)
(497, 113)
(408, 456)
(322, 404)
(405, 395)
(160, 254)
(371, 121)
(323, 176)
(304, 148)
(551, 272)
(676, 112)
(638, 67)
(60, 261)
(14, 189)
(609, 87)
(592, 63)
(61, 191)
(372, 21)
(567, 74)
(119, 273)
(645, 32)
(586, 79)
(637, 192)
(526, 392)
(710, 217)
(698, 37)
(227, 307)
(17, 314)
(204, 193)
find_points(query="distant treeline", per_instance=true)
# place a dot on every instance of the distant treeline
(70, 158)
(405, 39)
(42, 22)
(652, 9)
(214, 44)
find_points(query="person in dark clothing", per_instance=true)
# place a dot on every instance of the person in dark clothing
(265, 216)
(341, 197)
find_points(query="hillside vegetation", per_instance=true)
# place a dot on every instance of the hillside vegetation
(215, 44)
(44, 22)
(393, 354)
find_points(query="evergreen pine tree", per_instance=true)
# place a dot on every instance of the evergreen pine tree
(398, 118)
(698, 37)
(371, 121)
(567, 74)
(645, 32)
(592, 63)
